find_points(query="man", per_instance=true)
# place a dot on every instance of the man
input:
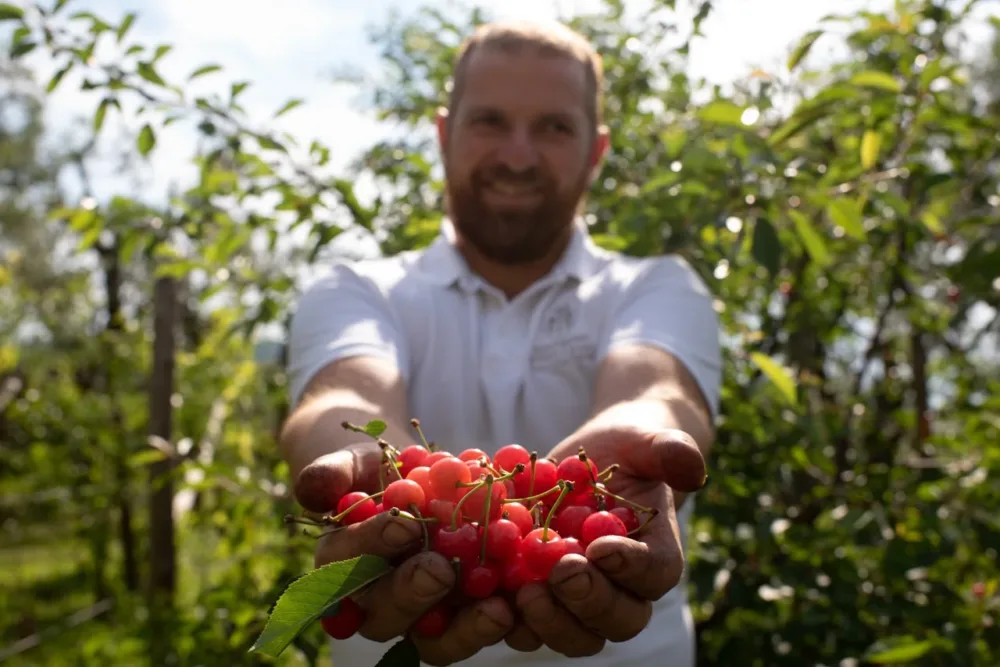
(513, 327)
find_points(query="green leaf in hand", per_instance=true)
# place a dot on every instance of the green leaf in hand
(401, 654)
(375, 428)
(308, 597)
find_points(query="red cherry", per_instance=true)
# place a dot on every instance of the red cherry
(412, 457)
(365, 510)
(628, 517)
(545, 480)
(503, 540)
(402, 493)
(583, 473)
(437, 456)
(507, 458)
(446, 475)
(442, 510)
(422, 476)
(474, 455)
(379, 508)
(979, 590)
(475, 503)
(481, 581)
(600, 524)
(516, 574)
(520, 515)
(434, 622)
(461, 543)
(573, 546)
(541, 555)
(568, 522)
(348, 619)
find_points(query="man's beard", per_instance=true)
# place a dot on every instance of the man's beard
(513, 236)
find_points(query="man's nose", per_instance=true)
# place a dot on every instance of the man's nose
(518, 151)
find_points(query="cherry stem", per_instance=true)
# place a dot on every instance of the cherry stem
(340, 517)
(566, 488)
(429, 446)
(390, 462)
(395, 511)
(423, 526)
(628, 502)
(606, 474)
(305, 521)
(390, 452)
(457, 512)
(537, 496)
(531, 477)
(586, 461)
(602, 505)
(518, 469)
(486, 518)
(650, 517)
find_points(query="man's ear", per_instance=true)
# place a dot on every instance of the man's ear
(602, 144)
(441, 120)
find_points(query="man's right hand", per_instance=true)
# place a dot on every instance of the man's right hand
(398, 599)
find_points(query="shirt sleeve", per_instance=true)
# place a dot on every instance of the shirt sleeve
(669, 307)
(342, 315)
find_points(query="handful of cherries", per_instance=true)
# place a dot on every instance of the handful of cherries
(503, 521)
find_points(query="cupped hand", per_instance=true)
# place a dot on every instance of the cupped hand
(608, 595)
(395, 602)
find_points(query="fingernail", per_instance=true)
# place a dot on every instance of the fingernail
(396, 534)
(426, 583)
(576, 587)
(490, 620)
(612, 563)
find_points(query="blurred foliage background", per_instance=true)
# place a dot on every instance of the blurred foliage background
(845, 215)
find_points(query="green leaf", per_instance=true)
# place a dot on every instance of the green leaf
(161, 50)
(146, 140)
(305, 600)
(777, 374)
(149, 73)
(124, 26)
(9, 12)
(403, 653)
(203, 70)
(766, 246)
(289, 105)
(58, 77)
(102, 110)
(846, 212)
(932, 222)
(722, 112)
(812, 241)
(237, 88)
(21, 48)
(898, 650)
(870, 143)
(804, 46)
(375, 428)
(877, 80)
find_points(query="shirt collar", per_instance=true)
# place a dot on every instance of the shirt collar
(444, 265)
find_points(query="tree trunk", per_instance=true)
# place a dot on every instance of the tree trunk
(112, 287)
(162, 554)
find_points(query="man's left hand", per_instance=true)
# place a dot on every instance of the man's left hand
(608, 595)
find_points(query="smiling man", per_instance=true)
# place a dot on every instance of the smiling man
(514, 327)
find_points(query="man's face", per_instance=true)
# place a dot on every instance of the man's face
(518, 153)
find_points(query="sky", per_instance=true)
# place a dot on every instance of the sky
(291, 53)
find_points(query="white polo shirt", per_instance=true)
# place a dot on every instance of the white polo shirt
(484, 371)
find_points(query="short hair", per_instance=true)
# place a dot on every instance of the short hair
(551, 39)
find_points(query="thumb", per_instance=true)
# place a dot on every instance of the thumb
(321, 484)
(671, 456)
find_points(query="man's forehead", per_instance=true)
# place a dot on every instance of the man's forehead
(553, 81)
